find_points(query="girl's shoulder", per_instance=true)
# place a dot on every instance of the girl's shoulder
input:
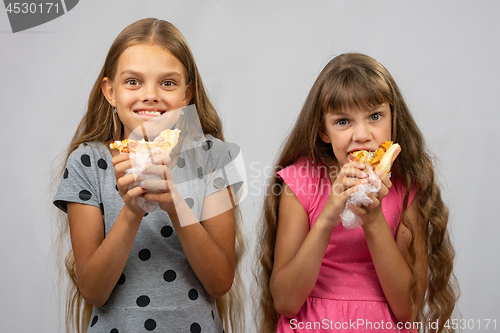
(211, 151)
(399, 190)
(303, 169)
(308, 180)
(89, 153)
(91, 148)
(214, 145)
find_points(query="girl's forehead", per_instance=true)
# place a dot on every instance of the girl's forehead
(148, 57)
(356, 110)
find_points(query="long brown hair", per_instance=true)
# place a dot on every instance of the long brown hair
(101, 124)
(358, 81)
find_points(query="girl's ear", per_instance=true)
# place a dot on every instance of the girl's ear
(188, 95)
(108, 92)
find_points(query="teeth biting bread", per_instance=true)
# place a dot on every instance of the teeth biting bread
(379, 160)
(162, 144)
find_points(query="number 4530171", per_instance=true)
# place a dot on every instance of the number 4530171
(32, 8)
(471, 324)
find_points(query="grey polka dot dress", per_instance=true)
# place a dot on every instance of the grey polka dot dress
(157, 291)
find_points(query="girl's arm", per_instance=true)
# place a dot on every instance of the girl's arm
(391, 260)
(299, 251)
(100, 260)
(391, 257)
(298, 255)
(209, 245)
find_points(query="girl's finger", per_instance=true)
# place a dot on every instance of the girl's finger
(127, 180)
(121, 167)
(160, 171)
(382, 192)
(154, 185)
(156, 170)
(354, 170)
(158, 197)
(134, 192)
(347, 183)
(374, 199)
(359, 211)
(119, 158)
(161, 160)
(385, 179)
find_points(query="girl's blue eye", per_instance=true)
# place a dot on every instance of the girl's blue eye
(375, 116)
(341, 122)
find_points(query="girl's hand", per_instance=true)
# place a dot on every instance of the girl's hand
(164, 184)
(374, 211)
(343, 187)
(121, 163)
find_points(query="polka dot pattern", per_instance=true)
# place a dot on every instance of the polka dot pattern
(167, 231)
(66, 173)
(102, 164)
(199, 171)
(219, 183)
(121, 280)
(143, 301)
(193, 294)
(94, 321)
(169, 276)
(207, 145)
(190, 202)
(84, 195)
(144, 254)
(181, 163)
(86, 160)
(195, 328)
(150, 325)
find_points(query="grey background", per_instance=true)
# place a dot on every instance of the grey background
(258, 60)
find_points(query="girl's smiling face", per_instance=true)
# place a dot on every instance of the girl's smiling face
(350, 130)
(149, 81)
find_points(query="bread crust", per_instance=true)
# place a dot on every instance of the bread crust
(163, 143)
(379, 160)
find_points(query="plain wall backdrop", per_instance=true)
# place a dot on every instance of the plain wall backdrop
(258, 60)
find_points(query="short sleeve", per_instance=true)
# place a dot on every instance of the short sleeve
(78, 183)
(221, 163)
(400, 189)
(297, 177)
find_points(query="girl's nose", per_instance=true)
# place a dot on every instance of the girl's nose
(361, 133)
(150, 95)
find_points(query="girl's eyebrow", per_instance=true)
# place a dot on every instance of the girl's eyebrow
(377, 107)
(134, 73)
(339, 112)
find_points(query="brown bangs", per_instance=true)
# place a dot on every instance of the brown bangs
(354, 86)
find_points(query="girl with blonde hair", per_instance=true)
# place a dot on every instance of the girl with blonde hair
(392, 274)
(133, 271)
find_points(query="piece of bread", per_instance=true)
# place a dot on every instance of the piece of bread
(162, 144)
(379, 160)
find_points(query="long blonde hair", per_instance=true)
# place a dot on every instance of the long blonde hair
(101, 124)
(359, 81)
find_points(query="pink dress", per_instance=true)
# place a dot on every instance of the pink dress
(347, 296)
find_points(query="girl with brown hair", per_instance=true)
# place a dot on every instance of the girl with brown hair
(394, 273)
(160, 271)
